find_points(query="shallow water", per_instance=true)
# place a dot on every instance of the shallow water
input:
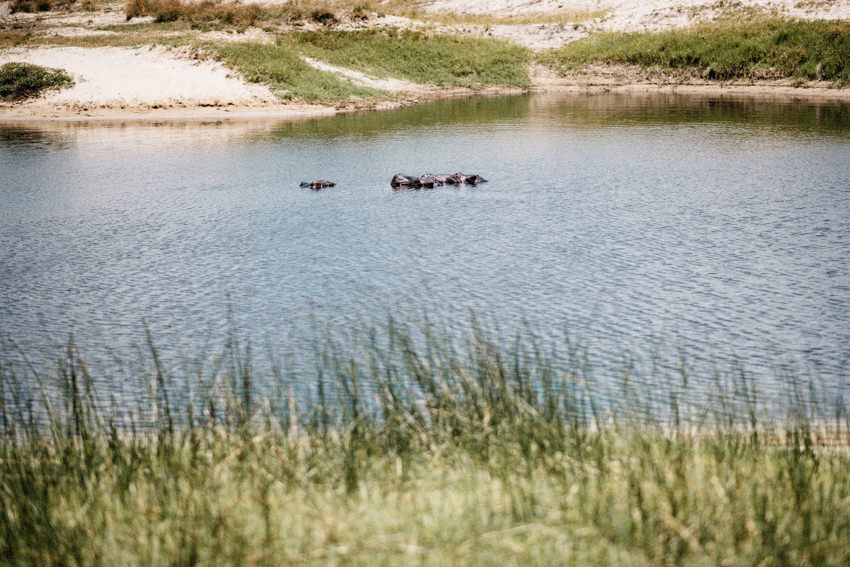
(715, 228)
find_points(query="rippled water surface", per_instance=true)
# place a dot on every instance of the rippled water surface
(713, 227)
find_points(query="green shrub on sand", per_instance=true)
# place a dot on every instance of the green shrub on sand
(19, 81)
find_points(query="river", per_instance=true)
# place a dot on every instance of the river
(714, 228)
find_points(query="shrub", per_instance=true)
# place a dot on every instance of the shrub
(19, 81)
(205, 11)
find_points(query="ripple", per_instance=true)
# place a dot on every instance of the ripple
(720, 239)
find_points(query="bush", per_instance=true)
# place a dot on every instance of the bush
(29, 6)
(206, 11)
(23, 80)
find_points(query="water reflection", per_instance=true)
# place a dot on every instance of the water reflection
(582, 110)
(821, 117)
(22, 135)
(660, 109)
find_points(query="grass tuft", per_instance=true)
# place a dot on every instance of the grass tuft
(20, 81)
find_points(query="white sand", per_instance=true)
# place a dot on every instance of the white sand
(622, 15)
(152, 77)
(634, 14)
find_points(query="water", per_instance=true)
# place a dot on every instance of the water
(718, 229)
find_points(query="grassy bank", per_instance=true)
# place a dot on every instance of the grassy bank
(758, 49)
(414, 451)
(282, 69)
(441, 60)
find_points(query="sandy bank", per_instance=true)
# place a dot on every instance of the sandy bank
(159, 83)
(150, 77)
(632, 79)
(584, 17)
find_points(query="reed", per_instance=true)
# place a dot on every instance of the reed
(408, 446)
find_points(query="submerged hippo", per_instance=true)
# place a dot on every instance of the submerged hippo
(402, 180)
(461, 179)
(317, 184)
(471, 179)
(429, 180)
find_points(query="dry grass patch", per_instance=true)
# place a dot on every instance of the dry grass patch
(322, 12)
(195, 12)
(561, 17)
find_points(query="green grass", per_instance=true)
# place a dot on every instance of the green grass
(434, 59)
(20, 81)
(423, 451)
(287, 75)
(759, 49)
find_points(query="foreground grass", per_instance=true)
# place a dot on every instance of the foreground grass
(759, 49)
(19, 81)
(423, 451)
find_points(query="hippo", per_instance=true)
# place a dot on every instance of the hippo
(462, 178)
(471, 179)
(317, 184)
(430, 180)
(402, 180)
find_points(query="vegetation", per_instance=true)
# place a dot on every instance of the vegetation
(19, 81)
(205, 11)
(286, 74)
(236, 13)
(409, 448)
(757, 49)
(437, 59)
(560, 17)
(47, 5)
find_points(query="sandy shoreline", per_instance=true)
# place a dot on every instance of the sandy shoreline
(293, 112)
(168, 83)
